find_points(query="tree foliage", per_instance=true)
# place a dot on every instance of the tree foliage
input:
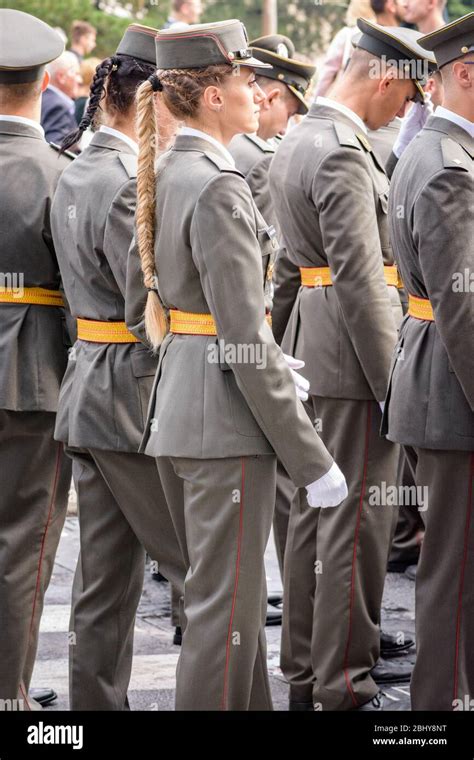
(310, 23)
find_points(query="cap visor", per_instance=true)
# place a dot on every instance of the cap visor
(253, 63)
(304, 108)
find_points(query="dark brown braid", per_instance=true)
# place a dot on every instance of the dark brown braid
(116, 78)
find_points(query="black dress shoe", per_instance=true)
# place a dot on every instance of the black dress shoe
(390, 647)
(43, 696)
(399, 566)
(274, 616)
(374, 704)
(275, 600)
(159, 578)
(390, 672)
(178, 636)
(301, 706)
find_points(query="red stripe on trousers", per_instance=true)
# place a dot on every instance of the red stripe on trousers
(236, 585)
(461, 580)
(354, 555)
(43, 541)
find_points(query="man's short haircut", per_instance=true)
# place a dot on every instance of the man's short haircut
(267, 82)
(16, 94)
(378, 6)
(80, 29)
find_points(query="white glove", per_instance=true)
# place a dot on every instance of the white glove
(301, 384)
(329, 490)
(413, 123)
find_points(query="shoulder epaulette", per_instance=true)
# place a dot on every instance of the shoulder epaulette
(346, 135)
(130, 163)
(222, 164)
(264, 146)
(454, 157)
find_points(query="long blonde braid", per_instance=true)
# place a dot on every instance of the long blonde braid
(156, 323)
(182, 89)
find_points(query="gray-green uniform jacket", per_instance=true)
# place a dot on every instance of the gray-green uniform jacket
(331, 197)
(212, 252)
(105, 391)
(33, 338)
(431, 395)
(253, 157)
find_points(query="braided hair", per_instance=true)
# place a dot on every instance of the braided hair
(116, 80)
(180, 90)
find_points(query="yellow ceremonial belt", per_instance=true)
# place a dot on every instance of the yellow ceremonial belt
(104, 332)
(420, 308)
(41, 296)
(187, 323)
(314, 277)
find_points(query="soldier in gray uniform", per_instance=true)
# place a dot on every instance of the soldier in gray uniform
(33, 351)
(122, 508)
(285, 86)
(331, 197)
(430, 401)
(224, 402)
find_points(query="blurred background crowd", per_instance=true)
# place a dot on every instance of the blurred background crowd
(323, 30)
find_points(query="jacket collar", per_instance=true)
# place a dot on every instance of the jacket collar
(110, 142)
(199, 144)
(20, 129)
(452, 130)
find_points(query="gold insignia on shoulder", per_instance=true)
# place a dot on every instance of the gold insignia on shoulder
(365, 142)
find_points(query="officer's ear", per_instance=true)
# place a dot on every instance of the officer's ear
(462, 74)
(212, 98)
(272, 96)
(386, 82)
(46, 80)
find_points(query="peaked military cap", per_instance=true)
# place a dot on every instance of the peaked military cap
(279, 51)
(396, 43)
(452, 41)
(28, 44)
(200, 45)
(139, 42)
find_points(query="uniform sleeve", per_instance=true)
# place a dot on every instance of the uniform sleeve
(343, 195)
(286, 282)
(229, 260)
(119, 229)
(135, 295)
(443, 231)
(257, 179)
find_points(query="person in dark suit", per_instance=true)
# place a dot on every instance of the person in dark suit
(57, 108)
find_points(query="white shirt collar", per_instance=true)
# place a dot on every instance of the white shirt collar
(120, 136)
(23, 120)
(320, 101)
(204, 136)
(445, 113)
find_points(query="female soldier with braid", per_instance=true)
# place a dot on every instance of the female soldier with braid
(224, 401)
(106, 387)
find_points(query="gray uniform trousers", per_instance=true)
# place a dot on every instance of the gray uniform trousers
(335, 565)
(122, 514)
(36, 477)
(444, 669)
(223, 516)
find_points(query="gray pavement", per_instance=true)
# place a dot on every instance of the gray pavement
(153, 674)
